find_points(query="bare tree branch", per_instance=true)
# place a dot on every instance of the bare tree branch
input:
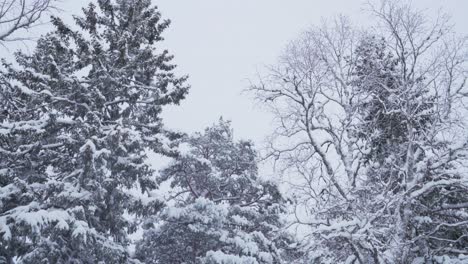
(17, 15)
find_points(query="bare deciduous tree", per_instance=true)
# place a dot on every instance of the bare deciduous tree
(371, 124)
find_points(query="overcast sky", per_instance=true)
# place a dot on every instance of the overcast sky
(221, 44)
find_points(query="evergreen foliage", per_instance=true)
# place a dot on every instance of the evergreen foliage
(222, 212)
(79, 115)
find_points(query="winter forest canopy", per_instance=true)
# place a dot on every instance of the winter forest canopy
(369, 144)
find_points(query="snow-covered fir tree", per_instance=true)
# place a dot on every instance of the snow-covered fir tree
(221, 211)
(392, 110)
(78, 116)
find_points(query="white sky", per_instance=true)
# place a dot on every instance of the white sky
(221, 44)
